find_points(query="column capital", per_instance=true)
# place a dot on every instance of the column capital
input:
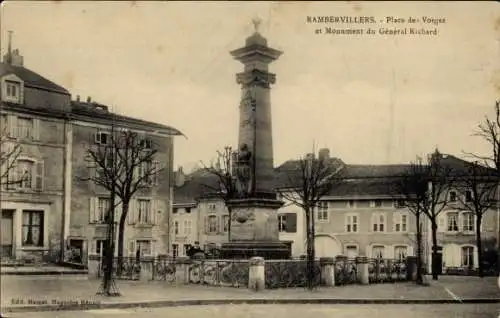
(256, 77)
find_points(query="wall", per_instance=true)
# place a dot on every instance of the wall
(181, 215)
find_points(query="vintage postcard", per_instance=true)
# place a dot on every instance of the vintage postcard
(238, 159)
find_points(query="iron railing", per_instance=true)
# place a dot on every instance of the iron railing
(346, 271)
(232, 273)
(290, 273)
(387, 270)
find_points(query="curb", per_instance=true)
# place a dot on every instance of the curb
(41, 273)
(249, 301)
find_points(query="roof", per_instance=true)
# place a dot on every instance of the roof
(31, 79)
(94, 112)
(357, 180)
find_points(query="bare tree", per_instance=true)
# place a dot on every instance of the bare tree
(413, 186)
(308, 182)
(124, 164)
(9, 153)
(477, 189)
(225, 187)
(489, 131)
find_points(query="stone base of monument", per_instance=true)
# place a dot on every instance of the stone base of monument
(254, 229)
(249, 249)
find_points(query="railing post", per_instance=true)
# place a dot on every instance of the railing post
(362, 270)
(327, 265)
(182, 270)
(256, 274)
(94, 267)
(146, 270)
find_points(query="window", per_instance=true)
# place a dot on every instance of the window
(175, 250)
(212, 207)
(13, 89)
(351, 204)
(32, 228)
(144, 211)
(24, 173)
(467, 222)
(399, 203)
(400, 222)
(400, 253)
(322, 211)
(352, 223)
(468, 196)
(188, 210)
(452, 221)
(100, 247)
(176, 227)
(378, 222)
(146, 143)
(103, 205)
(452, 196)
(282, 222)
(467, 256)
(144, 172)
(174, 210)
(378, 251)
(225, 223)
(143, 247)
(187, 227)
(24, 127)
(212, 224)
(185, 249)
(376, 203)
(102, 138)
(351, 251)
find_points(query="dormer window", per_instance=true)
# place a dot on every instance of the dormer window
(12, 89)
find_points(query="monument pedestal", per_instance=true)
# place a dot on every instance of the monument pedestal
(254, 230)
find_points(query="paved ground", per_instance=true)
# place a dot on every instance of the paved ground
(285, 311)
(18, 291)
(38, 270)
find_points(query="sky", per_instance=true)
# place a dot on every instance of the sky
(369, 99)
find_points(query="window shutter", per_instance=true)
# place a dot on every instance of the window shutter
(156, 175)
(93, 249)
(36, 129)
(394, 221)
(441, 222)
(131, 212)
(39, 172)
(154, 211)
(217, 222)
(92, 210)
(373, 221)
(131, 248)
(206, 224)
(291, 222)
(12, 125)
(409, 251)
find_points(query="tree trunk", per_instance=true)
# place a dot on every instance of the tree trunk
(309, 247)
(419, 251)
(229, 212)
(313, 252)
(434, 248)
(121, 236)
(479, 244)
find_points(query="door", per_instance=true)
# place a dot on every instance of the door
(6, 236)
(76, 247)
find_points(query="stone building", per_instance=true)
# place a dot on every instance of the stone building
(362, 215)
(53, 209)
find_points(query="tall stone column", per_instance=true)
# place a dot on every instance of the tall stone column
(254, 222)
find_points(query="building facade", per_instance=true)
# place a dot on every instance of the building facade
(56, 208)
(365, 214)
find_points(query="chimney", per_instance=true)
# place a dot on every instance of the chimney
(324, 154)
(89, 99)
(13, 57)
(180, 177)
(77, 98)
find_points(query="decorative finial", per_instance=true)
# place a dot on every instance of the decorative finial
(256, 22)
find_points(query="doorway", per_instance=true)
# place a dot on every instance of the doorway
(76, 248)
(7, 234)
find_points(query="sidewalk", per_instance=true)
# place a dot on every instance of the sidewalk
(40, 270)
(20, 293)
